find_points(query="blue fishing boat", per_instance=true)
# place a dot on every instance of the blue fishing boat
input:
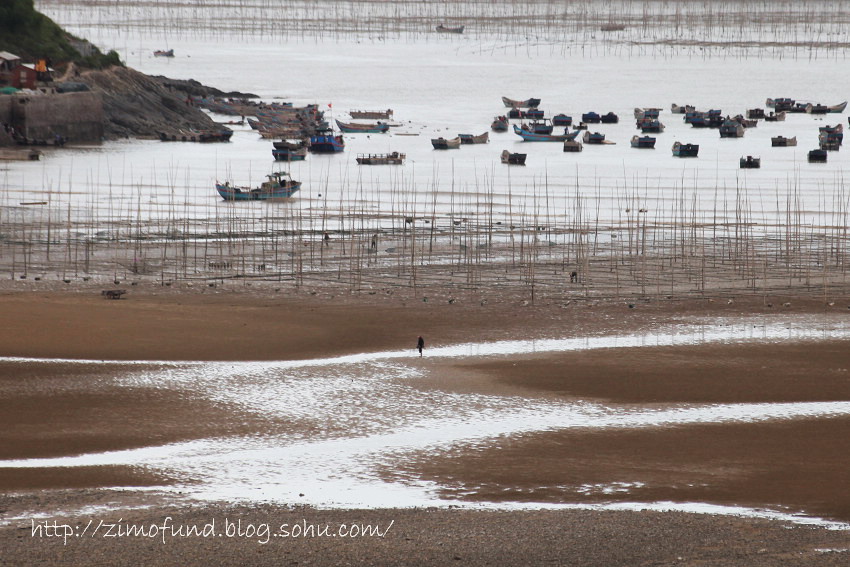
(278, 186)
(288, 154)
(650, 125)
(562, 120)
(324, 142)
(529, 136)
(609, 118)
(353, 128)
(591, 118)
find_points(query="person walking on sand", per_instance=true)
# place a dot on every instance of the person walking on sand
(420, 344)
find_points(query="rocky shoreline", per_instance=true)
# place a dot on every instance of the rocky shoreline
(136, 105)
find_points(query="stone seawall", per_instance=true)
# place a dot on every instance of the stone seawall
(75, 116)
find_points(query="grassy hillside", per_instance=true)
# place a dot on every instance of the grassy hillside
(32, 35)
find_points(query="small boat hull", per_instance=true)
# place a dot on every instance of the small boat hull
(278, 186)
(646, 142)
(513, 158)
(750, 162)
(445, 144)
(685, 150)
(532, 137)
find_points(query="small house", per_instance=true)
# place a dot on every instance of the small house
(14, 73)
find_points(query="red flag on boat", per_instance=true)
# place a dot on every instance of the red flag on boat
(330, 105)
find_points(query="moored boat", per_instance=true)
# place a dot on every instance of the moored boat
(371, 114)
(543, 126)
(290, 154)
(163, 53)
(471, 139)
(731, 129)
(750, 162)
(572, 146)
(562, 120)
(817, 156)
(643, 142)
(393, 158)
(676, 109)
(591, 118)
(278, 186)
(527, 103)
(824, 109)
(775, 116)
(650, 125)
(325, 142)
(444, 144)
(647, 113)
(449, 29)
(353, 128)
(500, 124)
(513, 158)
(755, 113)
(609, 118)
(685, 150)
(783, 142)
(529, 136)
(593, 138)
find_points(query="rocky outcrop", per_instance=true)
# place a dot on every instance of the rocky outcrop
(136, 105)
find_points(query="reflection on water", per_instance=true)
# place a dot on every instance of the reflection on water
(348, 416)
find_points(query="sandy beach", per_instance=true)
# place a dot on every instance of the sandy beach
(795, 466)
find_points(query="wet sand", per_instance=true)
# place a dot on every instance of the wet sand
(795, 465)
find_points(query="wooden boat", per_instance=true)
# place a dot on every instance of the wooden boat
(449, 29)
(572, 146)
(470, 139)
(591, 118)
(580, 126)
(527, 103)
(823, 109)
(163, 53)
(755, 113)
(643, 142)
(532, 137)
(278, 186)
(500, 124)
(371, 114)
(562, 120)
(817, 156)
(750, 162)
(513, 158)
(609, 118)
(783, 142)
(685, 150)
(775, 116)
(290, 154)
(593, 138)
(650, 125)
(641, 113)
(731, 129)
(325, 142)
(352, 128)
(676, 109)
(393, 158)
(444, 144)
(543, 126)
(612, 27)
